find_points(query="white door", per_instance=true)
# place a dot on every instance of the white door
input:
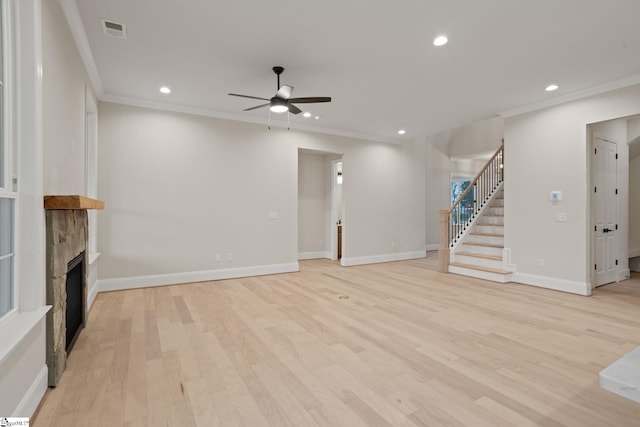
(605, 217)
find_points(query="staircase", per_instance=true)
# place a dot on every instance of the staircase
(479, 253)
(472, 234)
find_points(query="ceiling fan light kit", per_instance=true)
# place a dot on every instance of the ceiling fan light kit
(282, 101)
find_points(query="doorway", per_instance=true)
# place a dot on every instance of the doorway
(604, 173)
(320, 204)
(337, 208)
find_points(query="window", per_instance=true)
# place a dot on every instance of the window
(465, 210)
(8, 195)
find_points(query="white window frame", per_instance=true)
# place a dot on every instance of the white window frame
(8, 190)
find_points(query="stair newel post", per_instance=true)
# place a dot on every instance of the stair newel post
(443, 251)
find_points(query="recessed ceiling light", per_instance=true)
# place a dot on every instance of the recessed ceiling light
(440, 41)
(551, 88)
(165, 90)
(317, 117)
(402, 132)
(307, 114)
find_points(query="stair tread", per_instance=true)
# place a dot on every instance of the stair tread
(477, 267)
(471, 254)
(500, 215)
(486, 224)
(488, 245)
(475, 233)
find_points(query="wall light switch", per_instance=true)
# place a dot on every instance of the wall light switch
(561, 217)
(272, 215)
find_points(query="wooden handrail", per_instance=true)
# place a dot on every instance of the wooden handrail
(475, 180)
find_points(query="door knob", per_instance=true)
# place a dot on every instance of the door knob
(606, 230)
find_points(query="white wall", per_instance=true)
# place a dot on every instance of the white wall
(313, 204)
(479, 139)
(182, 188)
(547, 150)
(65, 82)
(437, 190)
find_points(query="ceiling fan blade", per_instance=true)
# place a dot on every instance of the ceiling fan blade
(284, 92)
(293, 109)
(247, 96)
(256, 107)
(310, 99)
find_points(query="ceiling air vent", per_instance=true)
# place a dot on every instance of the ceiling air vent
(114, 29)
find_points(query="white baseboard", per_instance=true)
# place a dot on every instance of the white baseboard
(29, 403)
(434, 247)
(374, 259)
(91, 297)
(122, 283)
(313, 255)
(570, 286)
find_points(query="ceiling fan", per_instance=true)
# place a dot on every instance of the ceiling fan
(282, 101)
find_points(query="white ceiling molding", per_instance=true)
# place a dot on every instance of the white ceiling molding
(80, 36)
(581, 94)
(134, 102)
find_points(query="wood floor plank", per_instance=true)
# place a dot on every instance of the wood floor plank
(394, 344)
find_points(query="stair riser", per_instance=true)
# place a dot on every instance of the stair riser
(482, 262)
(494, 277)
(498, 203)
(485, 239)
(481, 250)
(495, 210)
(492, 219)
(489, 229)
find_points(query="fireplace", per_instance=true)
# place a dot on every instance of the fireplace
(74, 313)
(67, 230)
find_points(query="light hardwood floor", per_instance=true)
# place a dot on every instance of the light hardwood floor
(394, 344)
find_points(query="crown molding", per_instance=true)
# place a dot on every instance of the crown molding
(596, 90)
(72, 14)
(176, 108)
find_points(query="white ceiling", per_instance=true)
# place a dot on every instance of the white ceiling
(374, 58)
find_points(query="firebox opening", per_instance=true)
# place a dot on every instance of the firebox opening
(75, 300)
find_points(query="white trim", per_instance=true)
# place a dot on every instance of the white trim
(93, 257)
(314, 255)
(374, 259)
(30, 401)
(607, 87)
(580, 288)
(433, 247)
(144, 103)
(74, 20)
(17, 328)
(623, 274)
(92, 294)
(106, 285)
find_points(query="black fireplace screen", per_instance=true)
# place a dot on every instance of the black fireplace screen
(75, 300)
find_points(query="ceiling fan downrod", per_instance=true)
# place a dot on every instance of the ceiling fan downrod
(278, 70)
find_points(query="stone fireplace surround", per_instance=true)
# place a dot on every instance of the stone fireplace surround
(67, 232)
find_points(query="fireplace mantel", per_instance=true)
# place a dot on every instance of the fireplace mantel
(71, 202)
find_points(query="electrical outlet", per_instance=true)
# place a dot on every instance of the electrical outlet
(540, 262)
(229, 256)
(218, 257)
(393, 244)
